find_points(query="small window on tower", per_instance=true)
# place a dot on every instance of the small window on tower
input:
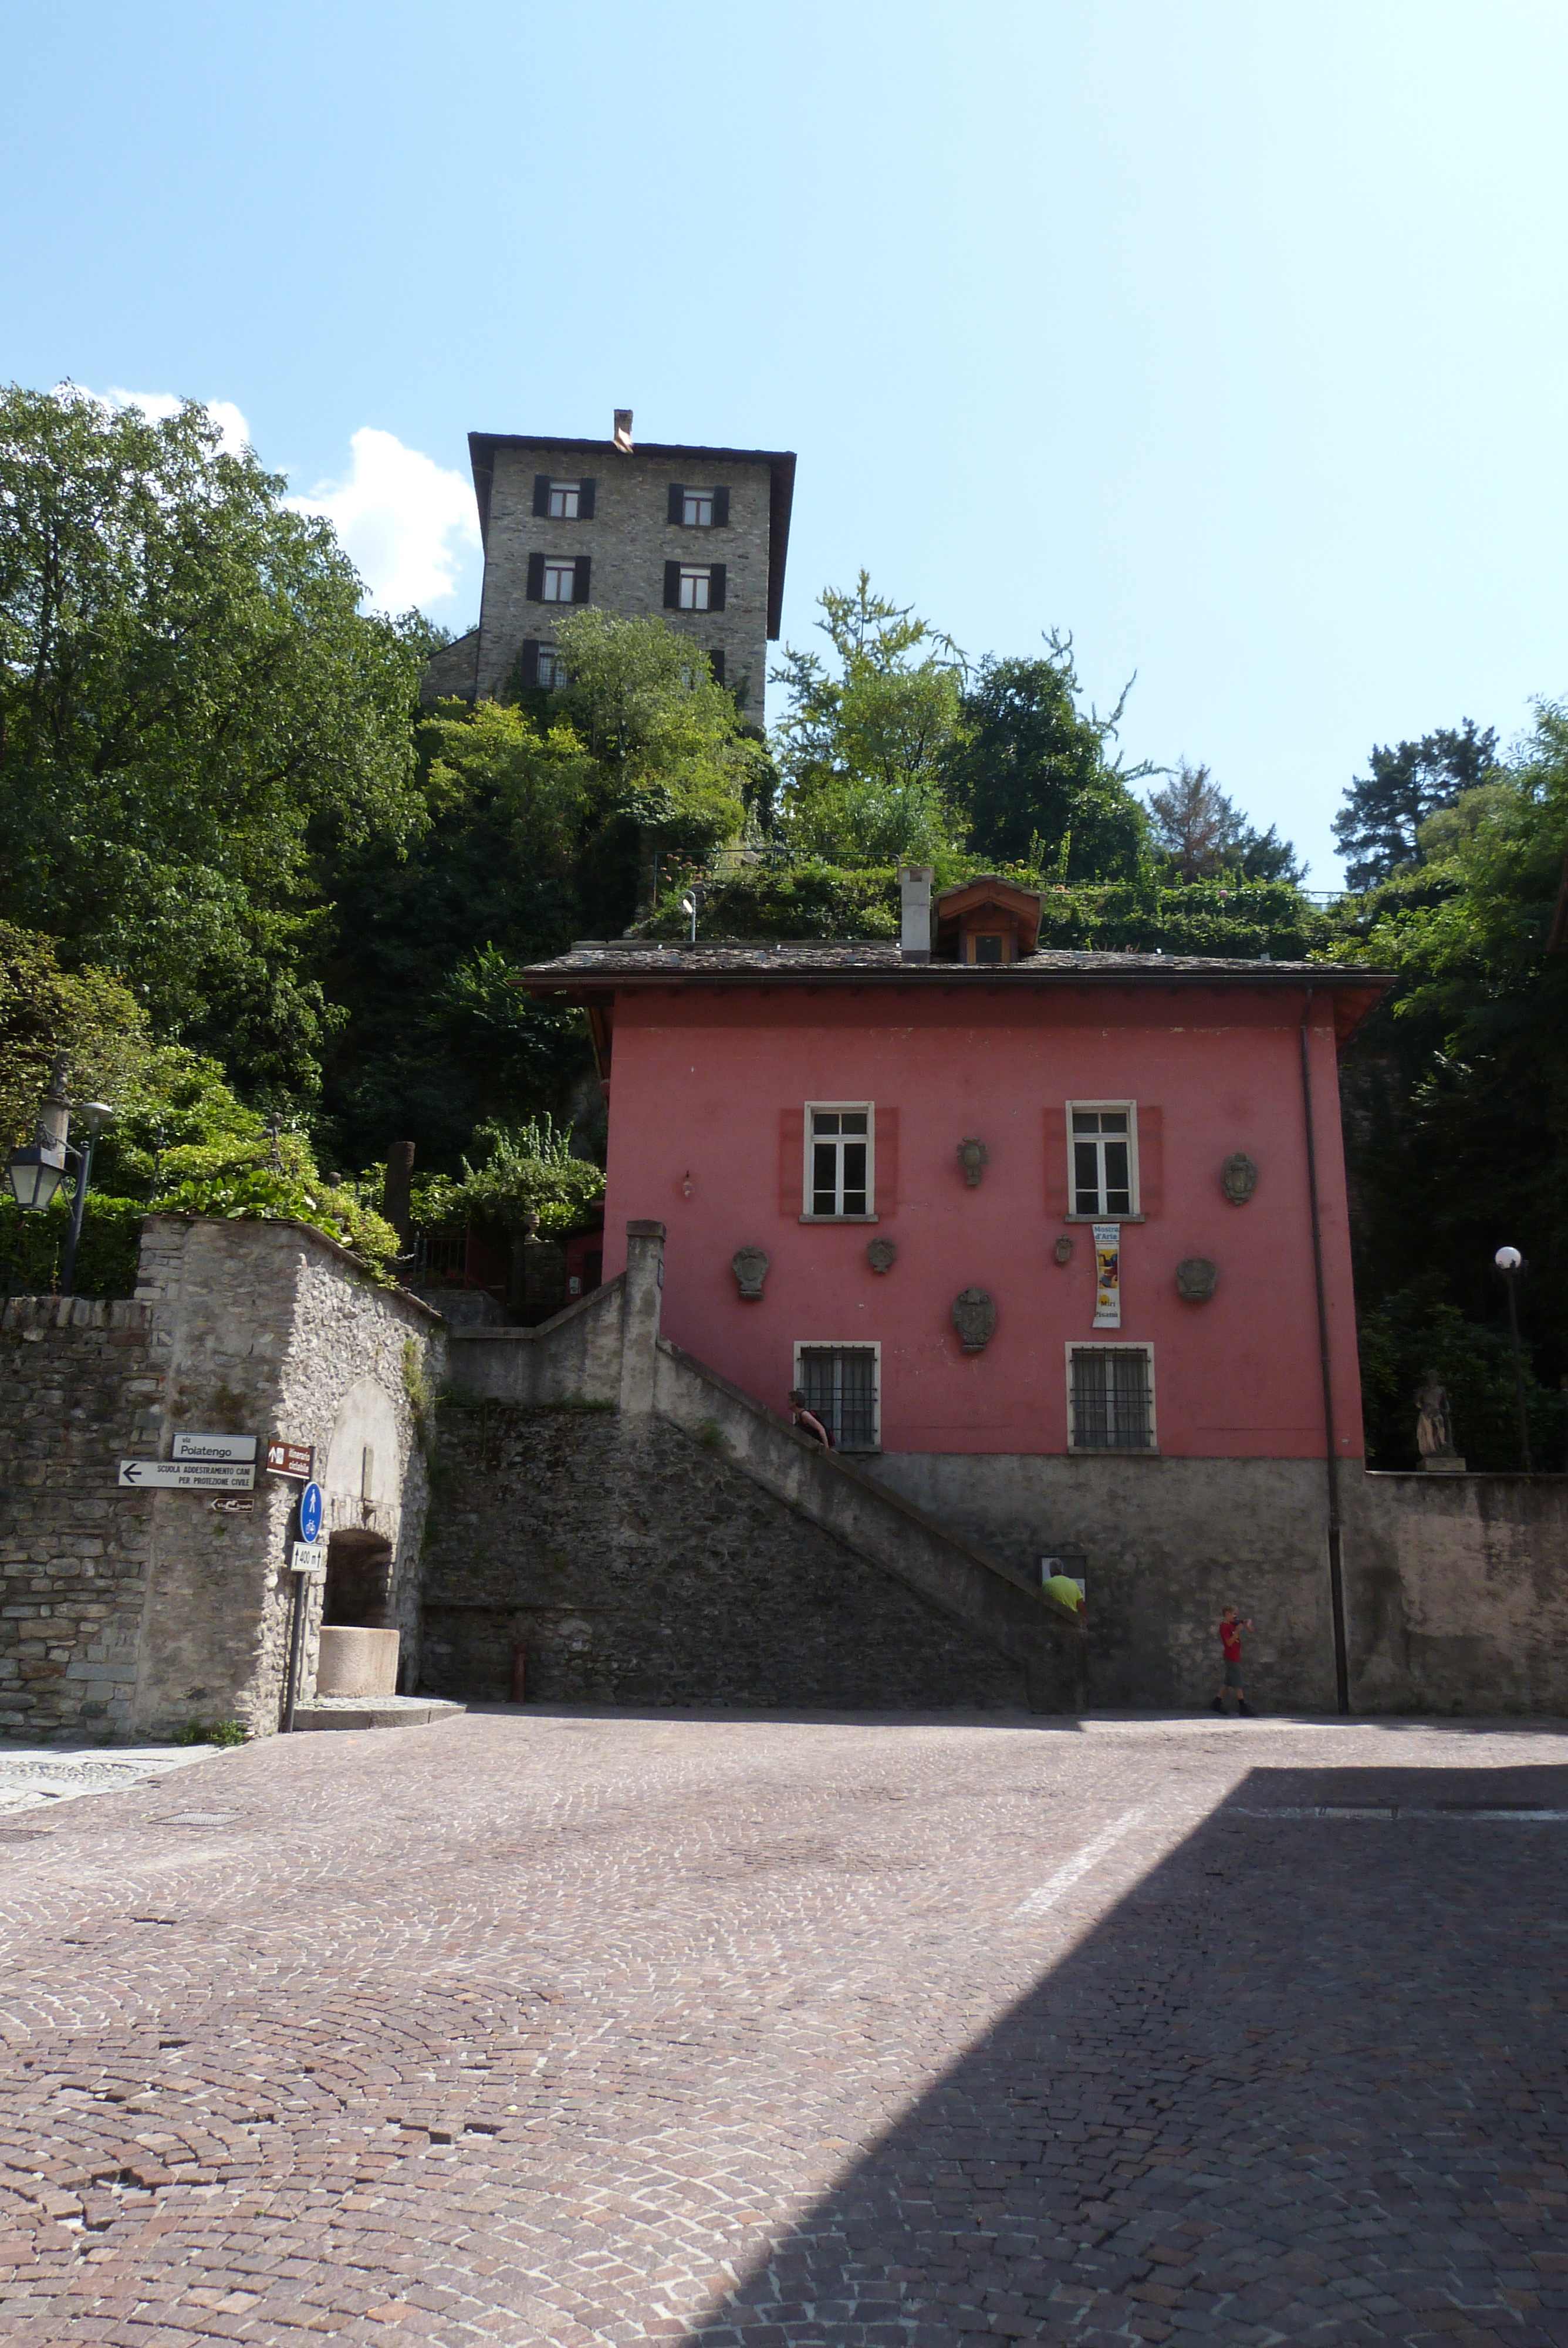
(550, 672)
(696, 587)
(561, 582)
(563, 501)
(697, 508)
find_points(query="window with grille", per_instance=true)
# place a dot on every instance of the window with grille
(1111, 1397)
(551, 670)
(1105, 1158)
(840, 1385)
(561, 582)
(838, 1175)
(563, 501)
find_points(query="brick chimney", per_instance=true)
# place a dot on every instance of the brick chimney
(915, 912)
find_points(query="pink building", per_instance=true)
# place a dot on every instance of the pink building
(1058, 1242)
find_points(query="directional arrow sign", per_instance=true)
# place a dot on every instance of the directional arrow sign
(214, 1447)
(186, 1475)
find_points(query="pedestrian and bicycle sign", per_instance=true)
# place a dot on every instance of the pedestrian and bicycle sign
(187, 1476)
(313, 1508)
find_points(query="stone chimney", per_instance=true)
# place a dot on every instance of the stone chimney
(915, 912)
(622, 436)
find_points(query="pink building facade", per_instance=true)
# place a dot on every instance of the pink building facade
(1042, 1234)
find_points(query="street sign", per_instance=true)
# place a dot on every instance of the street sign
(307, 1557)
(186, 1475)
(313, 1508)
(214, 1447)
(296, 1459)
(231, 1506)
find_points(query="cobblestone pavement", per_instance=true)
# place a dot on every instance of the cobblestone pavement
(761, 2034)
(32, 1776)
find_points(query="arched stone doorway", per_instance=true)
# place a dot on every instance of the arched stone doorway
(358, 1582)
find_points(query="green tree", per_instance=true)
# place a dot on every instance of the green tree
(192, 709)
(1201, 833)
(1379, 827)
(861, 748)
(678, 769)
(1456, 1094)
(1035, 776)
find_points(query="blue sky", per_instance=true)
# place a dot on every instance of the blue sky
(1230, 336)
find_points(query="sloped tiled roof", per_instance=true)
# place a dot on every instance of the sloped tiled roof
(629, 958)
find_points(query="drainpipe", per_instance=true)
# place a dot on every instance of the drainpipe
(1330, 1463)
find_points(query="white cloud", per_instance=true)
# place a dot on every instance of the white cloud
(406, 522)
(156, 405)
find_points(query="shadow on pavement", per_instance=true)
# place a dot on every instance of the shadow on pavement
(1304, 2084)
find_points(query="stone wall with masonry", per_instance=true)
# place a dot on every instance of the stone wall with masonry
(131, 1613)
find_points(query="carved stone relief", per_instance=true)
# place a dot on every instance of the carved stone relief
(975, 1319)
(1195, 1279)
(881, 1254)
(974, 1157)
(750, 1266)
(1238, 1178)
(1062, 1251)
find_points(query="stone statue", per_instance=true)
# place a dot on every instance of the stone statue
(1434, 1427)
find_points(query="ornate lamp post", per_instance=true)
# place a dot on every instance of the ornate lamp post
(1511, 1263)
(36, 1171)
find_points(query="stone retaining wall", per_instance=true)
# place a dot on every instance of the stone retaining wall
(77, 1390)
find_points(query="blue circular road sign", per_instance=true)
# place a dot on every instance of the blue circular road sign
(312, 1509)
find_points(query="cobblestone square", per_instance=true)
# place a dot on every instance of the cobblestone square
(763, 2032)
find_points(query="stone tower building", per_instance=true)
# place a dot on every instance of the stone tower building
(698, 536)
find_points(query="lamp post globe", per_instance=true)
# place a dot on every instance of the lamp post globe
(1508, 1258)
(1510, 1262)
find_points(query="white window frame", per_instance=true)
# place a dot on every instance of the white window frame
(1104, 1214)
(1149, 1450)
(696, 575)
(564, 498)
(696, 498)
(836, 1108)
(872, 1345)
(558, 567)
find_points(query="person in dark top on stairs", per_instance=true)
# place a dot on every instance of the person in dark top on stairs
(807, 1421)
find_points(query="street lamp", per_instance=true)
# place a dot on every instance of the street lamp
(1511, 1263)
(36, 1171)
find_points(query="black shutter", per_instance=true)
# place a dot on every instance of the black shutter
(529, 673)
(715, 587)
(580, 581)
(535, 588)
(721, 508)
(542, 497)
(585, 501)
(677, 502)
(671, 586)
(716, 662)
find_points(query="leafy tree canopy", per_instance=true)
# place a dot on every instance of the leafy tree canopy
(862, 745)
(191, 707)
(1036, 775)
(1378, 828)
(1201, 833)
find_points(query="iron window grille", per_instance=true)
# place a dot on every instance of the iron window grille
(1111, 1397)
(563, 501)
(839, 1161)
(551, 670)
(840, 1385)
(1105, 1158)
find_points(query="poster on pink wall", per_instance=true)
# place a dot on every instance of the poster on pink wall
(1108, 1276)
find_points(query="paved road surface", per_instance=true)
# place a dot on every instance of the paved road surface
(757, 2033)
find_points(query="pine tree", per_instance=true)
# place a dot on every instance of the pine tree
(1379, 826)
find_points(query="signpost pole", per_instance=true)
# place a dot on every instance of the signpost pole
(296, 1638)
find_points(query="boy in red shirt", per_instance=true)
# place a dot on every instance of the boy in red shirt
(1230, 1630)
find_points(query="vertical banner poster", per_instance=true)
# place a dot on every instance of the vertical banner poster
(1108, 1276)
